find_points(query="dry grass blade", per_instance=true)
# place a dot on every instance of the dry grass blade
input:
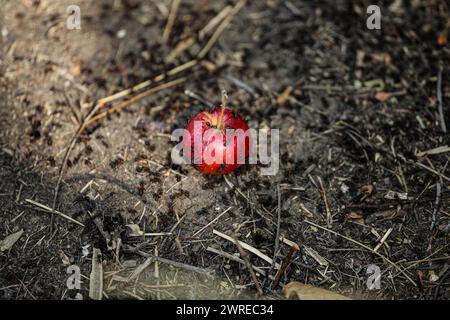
(140, 269)
(214, 21)
(220, 29)
(136, 98)
(249, 266)
(50, 210)
(248, 247)
(210, 223)
(171, 20)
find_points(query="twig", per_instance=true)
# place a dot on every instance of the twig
(214, 21)
(171, 20)
(247, 247)
(277, 235)
(213, 221)
(175, 263)
(441, 175)
(137, 98)
(437, 202)
(96, 276)
(140, 269)
(439, 97)
(365, 247)
(50, 210)
(249, 266)
(236, 259)
(284, 265)
(325, 200)
(383, 239)
(147, 83)
(220, 29)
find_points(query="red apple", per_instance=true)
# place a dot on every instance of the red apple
(214, 146)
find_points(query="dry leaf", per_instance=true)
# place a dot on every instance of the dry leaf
(300, 291)
(382, 96)
(64, 258)
(355, 215)
(75, 70)
(282, 98)
(442, 39)
(382, 57)
(367, 189)
(134, 230)
(10, 240)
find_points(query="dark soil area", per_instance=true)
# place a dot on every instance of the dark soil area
(363, 177)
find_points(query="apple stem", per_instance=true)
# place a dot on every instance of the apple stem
(224, 101)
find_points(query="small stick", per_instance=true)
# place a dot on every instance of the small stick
(277, 235)
(147, 83)
(179, 49)
(284, 265)
(383, 239)
(137, 98)
(439, 97)
(214, 21)
(139, 269)
(171, 20)
(249, 266)
(152, 234)
(325, 200)
(248, 247)
(220, 29)
(50, 210)
(213, 221)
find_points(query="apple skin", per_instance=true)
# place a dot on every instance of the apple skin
(210, 120)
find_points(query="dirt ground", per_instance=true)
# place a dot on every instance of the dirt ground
(363, 175)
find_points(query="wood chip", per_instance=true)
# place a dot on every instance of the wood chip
(284, 96)
(96, 276)
(10, 240)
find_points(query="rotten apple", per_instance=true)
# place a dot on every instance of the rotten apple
(216, 142)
